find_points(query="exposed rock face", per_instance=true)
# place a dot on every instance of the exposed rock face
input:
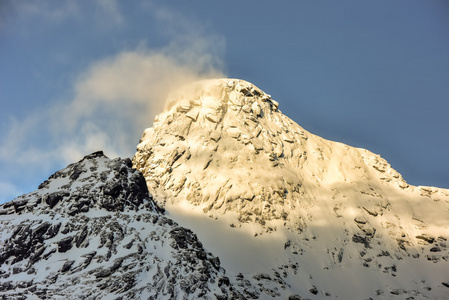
(213, 146)
(93, 231)
(310, 218)
(223, 146)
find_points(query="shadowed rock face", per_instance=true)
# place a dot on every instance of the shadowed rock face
(95, 181)
(93, 230)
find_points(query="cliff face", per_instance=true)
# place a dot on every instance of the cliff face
(223, 147)
(93, 231)
(286, 214)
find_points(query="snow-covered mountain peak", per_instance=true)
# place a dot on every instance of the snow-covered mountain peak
(223, 149)
(216, 94)
(224, 124)
(294, 216)
(75, 189)
(224, 145)
(92, 231)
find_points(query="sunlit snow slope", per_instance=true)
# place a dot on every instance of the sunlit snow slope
(318, 218)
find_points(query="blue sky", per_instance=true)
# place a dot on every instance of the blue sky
(78, 76)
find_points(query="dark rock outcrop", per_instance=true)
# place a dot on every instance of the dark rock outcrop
(98, 216)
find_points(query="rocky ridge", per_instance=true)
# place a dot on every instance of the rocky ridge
(287, 214)
(224, 148)
(92, 231)
(216, 140)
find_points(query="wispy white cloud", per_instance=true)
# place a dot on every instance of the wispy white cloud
(112, 100)
(115, 98)
(191, 36)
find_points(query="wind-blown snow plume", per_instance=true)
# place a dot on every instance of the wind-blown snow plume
(113, 98)
(116, 97)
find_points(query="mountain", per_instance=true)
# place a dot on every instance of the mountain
(322, 214)
(92, 231)
(227, 198)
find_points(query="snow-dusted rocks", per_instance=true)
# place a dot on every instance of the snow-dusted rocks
(213, 146)
(335, 214)
(224, 145)
(286, 214)
(92, 231)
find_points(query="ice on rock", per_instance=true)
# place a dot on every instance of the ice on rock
(237, 138)
(345, 213)
(286, 214)
(228, 117)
